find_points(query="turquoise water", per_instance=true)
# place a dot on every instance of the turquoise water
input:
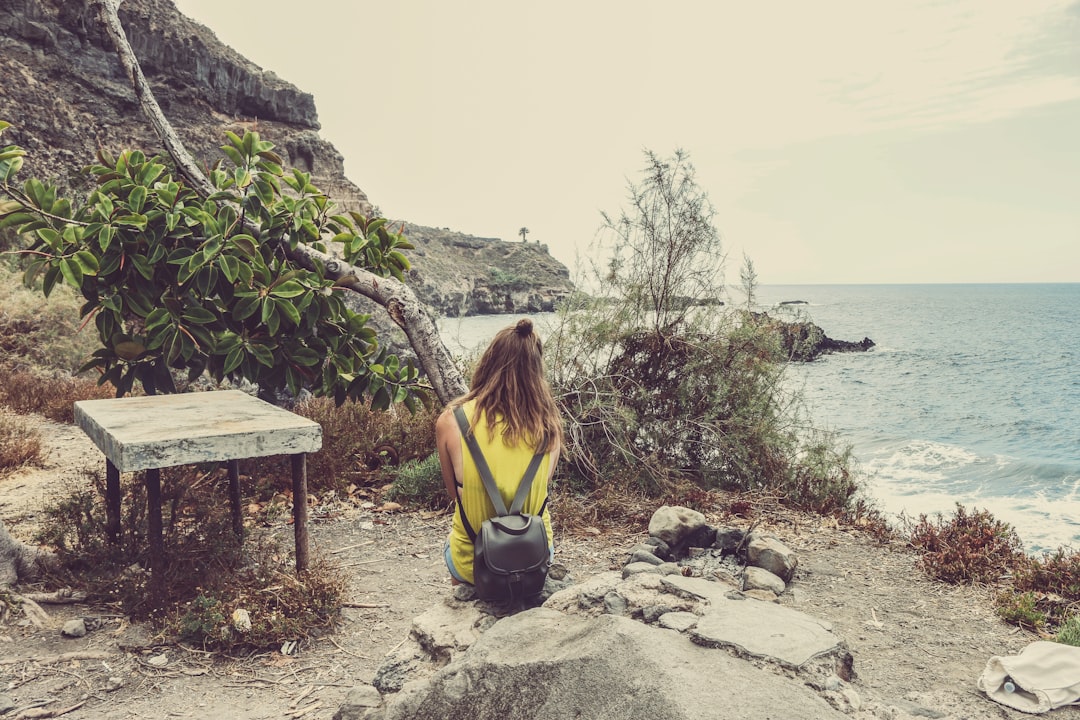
(972, 395)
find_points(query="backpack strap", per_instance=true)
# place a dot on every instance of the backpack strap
(485, 474)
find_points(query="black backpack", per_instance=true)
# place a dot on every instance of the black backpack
(510, 553)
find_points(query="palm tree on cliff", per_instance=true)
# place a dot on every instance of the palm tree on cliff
(523, 232)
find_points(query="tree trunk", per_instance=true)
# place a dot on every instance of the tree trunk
(20, 562)
(397, 298)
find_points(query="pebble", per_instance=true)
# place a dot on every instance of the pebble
(74, 628)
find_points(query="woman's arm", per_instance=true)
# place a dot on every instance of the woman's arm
(448, 444)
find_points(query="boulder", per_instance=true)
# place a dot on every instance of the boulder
(755, 578)
(767, 552)
(606, 667)
(673, 523)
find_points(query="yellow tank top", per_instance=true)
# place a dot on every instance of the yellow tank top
(507, 465)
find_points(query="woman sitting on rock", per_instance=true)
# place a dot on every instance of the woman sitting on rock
(513, 416)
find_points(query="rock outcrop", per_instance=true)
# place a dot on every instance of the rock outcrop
(461, 275)
(66, 94)
(671, 638)
(803, 341)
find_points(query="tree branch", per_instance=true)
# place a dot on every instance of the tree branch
(397, 298)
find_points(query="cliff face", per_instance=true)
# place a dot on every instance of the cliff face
(64, 90)
(460, 274)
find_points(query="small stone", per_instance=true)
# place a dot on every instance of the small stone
(558, 571)
(158, 660)
(852, 697)
(646, 557)
(241, 620)
(464, 593)
(614, 604)
(358, 702)
(755, 578)
(113, 684)
(728, 540)
(638, 567)
(659, 548)
(7, 703)
(74, 628)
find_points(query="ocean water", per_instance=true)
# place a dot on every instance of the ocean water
(971, 395)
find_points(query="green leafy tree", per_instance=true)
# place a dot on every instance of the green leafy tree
(175, 281)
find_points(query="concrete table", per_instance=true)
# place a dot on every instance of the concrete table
(150, 433)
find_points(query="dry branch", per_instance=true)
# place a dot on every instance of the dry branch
(62, 657)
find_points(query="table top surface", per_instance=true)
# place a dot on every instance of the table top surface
(136, 433)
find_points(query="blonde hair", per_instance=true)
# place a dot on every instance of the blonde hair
(511, 392)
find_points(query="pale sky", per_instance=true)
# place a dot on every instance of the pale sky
(841, 141)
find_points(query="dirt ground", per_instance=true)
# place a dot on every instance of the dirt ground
(918, 645)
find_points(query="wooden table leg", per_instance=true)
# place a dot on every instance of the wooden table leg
(300, 515)
(157, 544)
(112, 502)
(234, 498)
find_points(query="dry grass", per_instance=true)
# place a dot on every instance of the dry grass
(359, 446)
(42, 332)
(20, 443)
(30, 391)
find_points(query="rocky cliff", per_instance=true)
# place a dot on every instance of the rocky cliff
(66, 94)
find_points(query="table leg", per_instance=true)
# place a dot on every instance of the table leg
(112, 502)
(234, 498)
(157, 545)
(300, 516)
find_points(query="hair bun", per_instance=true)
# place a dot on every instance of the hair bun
(524, 327)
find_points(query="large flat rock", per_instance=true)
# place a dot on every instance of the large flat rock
(766, 630)
(544, 665)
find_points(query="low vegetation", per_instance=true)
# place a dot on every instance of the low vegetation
(1037, 593)
(20, 443)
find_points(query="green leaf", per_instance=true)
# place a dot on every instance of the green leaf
(72, 272)
(150, 173)
(174, 347)
(129, 349)
(306, 356)
(157, 318)
(262, 354)
(233, 359)
(245, 307)
(272, 320)
(288, 289)
(380, 400)
(137, 198)
(49, 281)
(50, 237)
(87, 262)
(227, 341)
(229, 267)
(289, 311)
(142, 266)
(138, 221)
(105, 237)
(245, 244)
(9, 168)
(199, 315)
